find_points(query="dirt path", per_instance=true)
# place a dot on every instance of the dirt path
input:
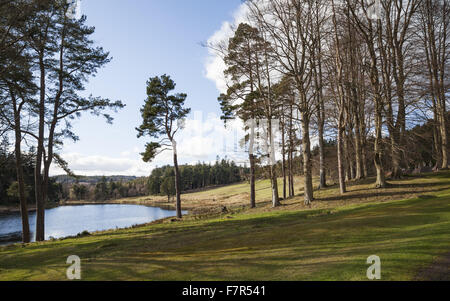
(439, 270)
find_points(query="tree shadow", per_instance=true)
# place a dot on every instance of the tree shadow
(410, 189)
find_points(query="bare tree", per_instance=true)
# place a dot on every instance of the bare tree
(434, 19)
(368, 28)
(340, 102)
(286, 25)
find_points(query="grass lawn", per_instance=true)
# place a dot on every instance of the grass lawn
(213, 200)
(331, 241)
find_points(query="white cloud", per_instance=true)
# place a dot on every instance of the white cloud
(214, 65)
(130, 152)
(202, 139)
(103, 165)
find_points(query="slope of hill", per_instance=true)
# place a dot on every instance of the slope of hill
(64, 179)
(332, 243)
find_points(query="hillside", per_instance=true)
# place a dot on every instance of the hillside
(408, 227)
(65, 179)
(235, 197)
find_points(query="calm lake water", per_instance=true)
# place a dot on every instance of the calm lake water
(71, 220)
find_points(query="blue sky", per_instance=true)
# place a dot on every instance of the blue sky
(148, 38)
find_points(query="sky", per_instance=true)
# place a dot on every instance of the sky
(149, 38)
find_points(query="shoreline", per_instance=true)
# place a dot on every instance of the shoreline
(79, 235)
(119, 202)
(5, 210)
(7, 243)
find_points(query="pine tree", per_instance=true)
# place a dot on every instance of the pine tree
(162, 116)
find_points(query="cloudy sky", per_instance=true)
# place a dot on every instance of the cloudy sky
(146, 39)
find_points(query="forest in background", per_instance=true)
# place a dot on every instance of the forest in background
(194, 177)
(103, 188)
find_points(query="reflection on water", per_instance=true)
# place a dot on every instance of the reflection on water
(71, 220)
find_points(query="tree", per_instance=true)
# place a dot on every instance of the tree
(434, 24)
(13, 15)
(65, 57)
(240, 97)
(340, 101)
(318, 22)
(16, 87)
(162, 116)
(101, 190)
(286, 25)
(168, 187)
(398, 18)
(16, 125)
(250, 95)
(14, 191)
(368, 29)
(80, 191)
(154, 182)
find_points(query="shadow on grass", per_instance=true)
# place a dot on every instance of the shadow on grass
(259, 246)
(388, 192)
(271, 259)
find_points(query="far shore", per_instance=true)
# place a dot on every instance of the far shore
(131, 201)
(15, 209)
(4, 210)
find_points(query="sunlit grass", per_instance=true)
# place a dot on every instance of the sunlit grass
(324, 243)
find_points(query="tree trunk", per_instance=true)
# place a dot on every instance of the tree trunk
(436, 137)
(395, 154)
(307, 164)
(364, 163)
(394, 134)
(348, 141)
(40, 202)
(272, 162)
(177, 181)
(378, 102)
(290, 154)
(20, 175)
(340, 153)
(320, 107)
(252, 181)
(347, 162)
(323, 177)
(362, 131)
(283, 153)
(341, 144)
(444, 139)
(401, 117)
(436, 58)
(378, 152)
(275, 195)
(291, 176)
(358, 151)
(354, 104)
(442, 78)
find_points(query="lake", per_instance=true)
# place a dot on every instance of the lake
(70, 220)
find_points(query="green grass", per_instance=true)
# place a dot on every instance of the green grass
(320, 244)
(263, 190)
(261, 187)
